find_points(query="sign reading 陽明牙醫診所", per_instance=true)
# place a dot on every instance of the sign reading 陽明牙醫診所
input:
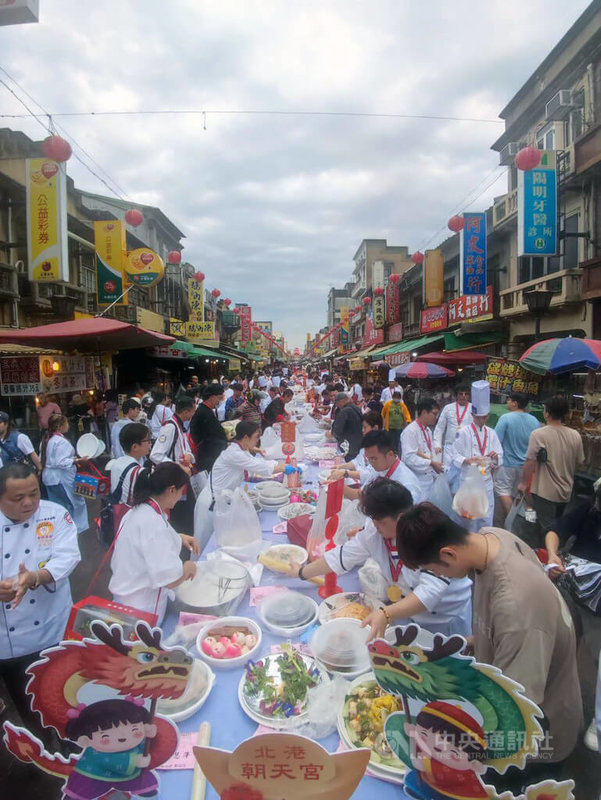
(537, 208)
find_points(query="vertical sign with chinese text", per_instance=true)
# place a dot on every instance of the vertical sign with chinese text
(46, 200)
(537, 208)
(344, 327)
(393, 303)
(433, 278)
(473, 254)
(245, 324)
(109, 241)
(196, 297)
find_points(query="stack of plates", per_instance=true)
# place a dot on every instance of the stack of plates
(89, 446)
(292, 510)
(288, 613)
(272, 495)
(340, 647)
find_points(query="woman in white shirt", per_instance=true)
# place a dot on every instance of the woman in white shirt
(242, 455)
(59, 467)
(162, 412)
(146, 561)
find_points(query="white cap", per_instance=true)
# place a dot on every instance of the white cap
(480, 398)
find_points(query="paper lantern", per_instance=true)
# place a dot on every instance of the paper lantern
(56, 148)
(134, 217)
(227, 302)
(174, 257)
(528, 158)
(357, 309)
(379, 291)
(417, 258)
(236, 310)
(456, 223)
(395, 278)
(199, 277)
(215, 292)
(366, 301)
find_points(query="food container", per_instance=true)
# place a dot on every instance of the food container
(198, 689)
(288, 613)
(271, 489)
(227, 627)
(217, 588)
(340, 647)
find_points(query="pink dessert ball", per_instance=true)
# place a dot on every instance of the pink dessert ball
(238, 638)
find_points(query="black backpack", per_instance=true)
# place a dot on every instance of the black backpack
(106, 525)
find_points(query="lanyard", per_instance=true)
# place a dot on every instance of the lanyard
(395, 567)
(155, 506)
(481, 445)
(427, 436)
(393, 467)
(462, 417)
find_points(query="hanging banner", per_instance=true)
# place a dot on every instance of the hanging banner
(46, 201)
(537, 208)
(199, 331)
(379, 309)
(472, 307)
(393, 303)
(245, 324)
(144, 267)
(344, 327)
(433, 278)
(372, 336)
(196, 299)
(433, 319)
(473, 254)
(109, 241)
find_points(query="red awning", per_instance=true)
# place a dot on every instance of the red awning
(86, 335)
(460, 357)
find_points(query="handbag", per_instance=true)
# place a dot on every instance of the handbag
(112, 511)
(582, 579)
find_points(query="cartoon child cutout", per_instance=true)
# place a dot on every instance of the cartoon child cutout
(448, 753)
(112, 734)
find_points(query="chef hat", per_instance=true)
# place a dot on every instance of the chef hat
(480, 398)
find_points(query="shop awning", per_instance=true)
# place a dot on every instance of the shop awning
(363, 353)
(408, 345)
(457, 357)
(469, 341)
(87, 335)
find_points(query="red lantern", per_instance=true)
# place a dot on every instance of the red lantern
(236, 310)
(395, 278)
(528, 158)
(215, 292)
(366, 301)
(357, 309)
(174, 257)
(379, 291)
(199, 277)
(56, 148)
(227, 302)
(134, 217)
(417, 258)
(456, 223)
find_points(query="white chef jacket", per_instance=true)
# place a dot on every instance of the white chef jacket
(116, 468)
(116, 448)
(357, 391)
(60, 470)
(387, 393)
(161, 415)
(448, 427)
(145, 560)
(413, 440)
(24, 444)
(466, 446)
(402, 474)
(264, 403)
(164, 449)
(221, 407)
(276, 381)
(47, 540)
(448, 600)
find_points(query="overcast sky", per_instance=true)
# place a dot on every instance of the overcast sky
(275, 206)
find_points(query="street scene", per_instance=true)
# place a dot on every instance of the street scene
(300, 400)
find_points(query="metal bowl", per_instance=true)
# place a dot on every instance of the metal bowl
(217, 588)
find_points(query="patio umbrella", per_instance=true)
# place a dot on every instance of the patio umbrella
(562, 355)
(423, 369)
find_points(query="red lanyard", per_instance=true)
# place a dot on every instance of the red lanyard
(393, 468)
(395, 566)
(155, 506)
(427, 436)
(462, 417)
(481, 445)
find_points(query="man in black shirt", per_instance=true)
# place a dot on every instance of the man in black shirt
(206, 430)
(347, 426)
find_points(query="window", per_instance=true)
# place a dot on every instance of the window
(570, 242)
(449, 289)
(574, 126)
(545, 138)
(87, 277)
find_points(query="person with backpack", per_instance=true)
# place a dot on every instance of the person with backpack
(16, 447)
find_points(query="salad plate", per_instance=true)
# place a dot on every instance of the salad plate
(354, 605)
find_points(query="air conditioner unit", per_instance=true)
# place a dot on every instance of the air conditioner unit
(508, 153)
(560, 105)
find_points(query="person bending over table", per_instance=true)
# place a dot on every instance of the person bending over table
(241, 455)
(358, 468)
(436, 603)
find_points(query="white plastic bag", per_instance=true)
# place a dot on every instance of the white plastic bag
(236, 522)
(441, 495)
(316, 538)
(471, 501)
(373, 581)
(323, 703)
(350, 518)
(269, 438)
(307, 425)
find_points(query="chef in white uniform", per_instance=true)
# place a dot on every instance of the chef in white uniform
(417, 446)
(479, 444)
(240, 456)
(442, 606)
(59, 469)
(453, 418)
(38, 551)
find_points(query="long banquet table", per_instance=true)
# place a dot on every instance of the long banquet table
(229, 724)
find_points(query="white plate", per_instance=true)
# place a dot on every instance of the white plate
(295, 510)
(206, 674)
(273, 506)
(270, 487)
(100, 450)
(295, 552)
(87, 444)
(328, 608)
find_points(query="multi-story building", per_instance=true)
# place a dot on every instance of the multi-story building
(337, 300)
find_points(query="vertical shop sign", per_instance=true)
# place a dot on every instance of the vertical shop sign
(537, 208)
(473, 254)
(433, 278)
(46, 200)
(109, 241)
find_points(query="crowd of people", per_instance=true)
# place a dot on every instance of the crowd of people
(413, 467)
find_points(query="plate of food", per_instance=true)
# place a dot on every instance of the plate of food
(361, 723)
(354, 605)
(198, 689)
(273, 690)
(292, 510)
(279, 557)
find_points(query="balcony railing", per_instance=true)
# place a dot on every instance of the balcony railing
(565, 285)
(504, 207)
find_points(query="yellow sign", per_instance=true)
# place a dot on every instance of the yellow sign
(434, 278)
(199, 331)
(109, 241)
(144, 267)
(196, 299)
(150, 320)
(47, 247)
(177, 327)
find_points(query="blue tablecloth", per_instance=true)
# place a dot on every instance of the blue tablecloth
(229, 723)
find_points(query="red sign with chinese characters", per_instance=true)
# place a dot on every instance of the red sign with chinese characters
(393, 303)
(245, 324)
(372, 335)
(395, 332)
(434, 319)
(471, 307)
(20, 375)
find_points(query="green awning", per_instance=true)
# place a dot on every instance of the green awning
(408, 345)
(471, 341)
